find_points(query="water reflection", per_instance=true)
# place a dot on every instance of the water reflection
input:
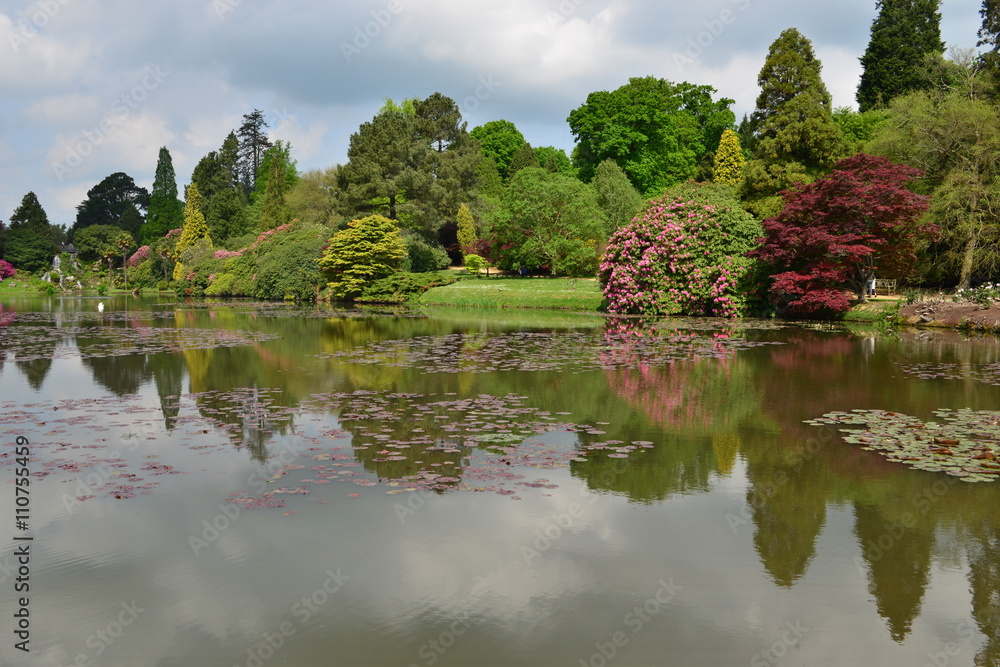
(721, 418)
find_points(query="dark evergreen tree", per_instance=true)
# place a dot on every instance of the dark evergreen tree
(108, 200)
(796, 137)
(224, 201)
(524, 157)
(903, 34)
(29, 243)
(989, 36)
(166, 211)
(439, 120)
(253, 144)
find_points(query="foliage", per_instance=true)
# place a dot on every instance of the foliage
(474, 263)
(616, 196)
(7, 270)
(834, 234)
(28, 242)
(795, 135)
(278, 175)
(99, 242)
(954, 139)
(166, 211)
(523, 158)
(403, 287)
(369, 249)
(312, 199)
(657, 131)
(498, 140)
(195, 228)
(548, 221)
(729, 162)
(859, 128)
(985, 295)
(288, 264)
(253, 143)
(466, 228)
(423, 255)
(108, 200)
(684, 254)
(902, 35)
(144, 274)
(394, 170)
(554, 159)
(439, 122)
(224, 201)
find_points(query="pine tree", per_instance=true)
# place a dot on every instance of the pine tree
(466, 229)
(272, 208)
(989, 36)
(729, 161)
(166, 212)
(195, 227)
(253, 144)
(903, 34)
(797, 138)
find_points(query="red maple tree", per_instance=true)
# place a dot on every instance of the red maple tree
(833, 235)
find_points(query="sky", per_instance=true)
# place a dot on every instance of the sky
(93, 87)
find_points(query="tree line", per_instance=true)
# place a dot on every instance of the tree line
(488, 197)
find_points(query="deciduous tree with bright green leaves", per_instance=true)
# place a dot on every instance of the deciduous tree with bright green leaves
(195, 228)
(657, 131)
(498, 140)
(729, 162)
(369, 249)
(617, 197)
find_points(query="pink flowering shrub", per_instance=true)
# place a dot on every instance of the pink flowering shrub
(685, 254)
(6, 269)
(138, 257)
(229, 254)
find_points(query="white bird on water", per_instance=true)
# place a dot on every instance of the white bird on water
(100, 307)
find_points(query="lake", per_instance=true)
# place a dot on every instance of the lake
(264, 484)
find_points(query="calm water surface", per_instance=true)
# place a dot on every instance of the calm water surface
(219, 484)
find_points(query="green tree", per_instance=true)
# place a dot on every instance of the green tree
(524, 157)
(278, 176)
(549, 221)
(903, 34)
(498, 140)
(313, 198)
(195, 228)
(796, 137)
(107, 200)
(369, 249)
(166, 211)
(224, 201)
(989, 36)
(105, 243)
(467, 235)
(396, 171)
(657, 131)
(955, 141)
(617, 198)
(29, 244)
(729, 162)
(252, 147)
(554, 159)
(439, 121)
(857, 128)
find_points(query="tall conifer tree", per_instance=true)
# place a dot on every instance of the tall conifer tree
(166, 212)
(903, 34)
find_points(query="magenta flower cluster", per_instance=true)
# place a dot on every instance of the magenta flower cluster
(227, 254)
(138, 257)
(671, 260)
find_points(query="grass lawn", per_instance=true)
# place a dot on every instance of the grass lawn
(567, 293)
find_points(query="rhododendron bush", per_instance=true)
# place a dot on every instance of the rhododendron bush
(685, 254)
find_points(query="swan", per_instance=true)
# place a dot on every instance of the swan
(100, 307)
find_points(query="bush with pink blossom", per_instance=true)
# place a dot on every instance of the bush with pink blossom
(684, 254)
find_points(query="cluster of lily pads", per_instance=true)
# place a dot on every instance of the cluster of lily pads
(986, 373)
(966, 444)
(539, 351)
